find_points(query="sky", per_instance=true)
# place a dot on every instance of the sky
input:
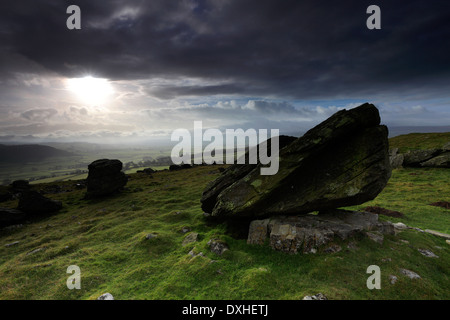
(137, 70)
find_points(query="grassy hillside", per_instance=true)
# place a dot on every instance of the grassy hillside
(413, 141)
(107, 240)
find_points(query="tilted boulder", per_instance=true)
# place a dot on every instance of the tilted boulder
(105, 177)
(343, 161)
(234, 173)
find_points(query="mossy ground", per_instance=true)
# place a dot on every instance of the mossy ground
(106, 238)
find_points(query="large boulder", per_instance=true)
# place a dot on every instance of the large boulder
(236, 172)
(440, 161)
(10, 217)
(343, 161)
(416, 157)
(105, 177)
(32, 202)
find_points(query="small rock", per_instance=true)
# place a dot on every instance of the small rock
(410, 274)
(378, 238)
(190, 238)
(106, 296)
(185, 229)
(404, 241)
(333, 249)
(12, 244)
(217, 246)
(447, 241)
(439, 234)
(319, 296)
(393, 279)
(36, 250)
(193, 254)
(151, 236)
(400, 226)
(386, 259)
(427, 253)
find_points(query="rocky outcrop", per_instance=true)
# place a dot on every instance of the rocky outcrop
(432, 158)
(234, 173)
(32, 202)
(341, 162)
(105, 177)
(416, 157)
(10, 217)
(309, 233)
(440, 161)
(395, 158)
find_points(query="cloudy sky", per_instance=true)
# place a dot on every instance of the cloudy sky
(140, 69)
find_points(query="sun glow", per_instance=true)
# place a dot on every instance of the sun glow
(93, 91)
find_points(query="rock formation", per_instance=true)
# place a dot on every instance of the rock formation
(434, 158)
(105, 177)
(307, 233)
(343, 161)
(10, 217)
(32, 202)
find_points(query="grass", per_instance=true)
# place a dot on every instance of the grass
(416, 141)
(106, 238)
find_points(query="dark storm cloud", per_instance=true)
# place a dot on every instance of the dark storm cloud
(289, 48)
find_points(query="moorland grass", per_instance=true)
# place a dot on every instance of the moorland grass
(106, 238)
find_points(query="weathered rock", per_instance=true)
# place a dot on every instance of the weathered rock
(32, 202)
(217, 246)
(234, 173)
(190, 238)
(12, 244)
(105, 177)
(341, 162)
(400, 226)
(446, 147)
(9, 217)
(416, 157)
(439, 234)
(440, 161)
(392, 279)
(376, 237)
(410, 274)
(106, 296)
(428, 253)
(151, 236)
(307, 233)
(319, 296)
(395, 158)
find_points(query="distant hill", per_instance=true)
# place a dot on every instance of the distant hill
(30, 153)
(414, 141)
